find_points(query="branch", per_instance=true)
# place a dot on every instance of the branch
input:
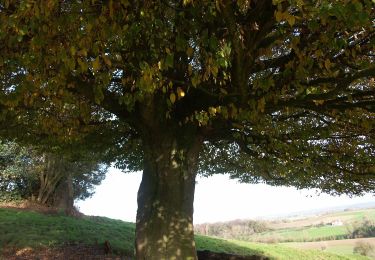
(110, 102)
(273, 63)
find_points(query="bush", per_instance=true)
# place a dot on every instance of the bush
(363, 248)
(366, 228)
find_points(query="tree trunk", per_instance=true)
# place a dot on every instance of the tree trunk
(50, 176)
(164, 228)
(56, 184)
(63, 197)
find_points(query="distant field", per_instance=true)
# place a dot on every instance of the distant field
(314, 228)
(345, 216)
(281, 252)
(343, 247)
(303, 234)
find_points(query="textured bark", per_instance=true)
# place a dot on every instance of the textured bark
(50, 177)
(164, 228)
(63, 197)
(56, 184)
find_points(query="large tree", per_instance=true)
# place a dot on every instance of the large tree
(269, 91)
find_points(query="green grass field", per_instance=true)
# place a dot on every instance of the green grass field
(21, 229)
(305, 230)
(341, 247)
(304, 234)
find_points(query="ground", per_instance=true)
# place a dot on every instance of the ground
(81, 251)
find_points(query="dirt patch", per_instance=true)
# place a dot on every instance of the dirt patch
(37, 207)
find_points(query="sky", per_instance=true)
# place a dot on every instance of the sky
(217, 198)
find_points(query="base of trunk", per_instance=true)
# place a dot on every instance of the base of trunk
(164, 228)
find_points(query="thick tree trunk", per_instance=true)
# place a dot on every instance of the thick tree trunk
(164, 228)
(49, 177)
(63, 197)
(56, 184)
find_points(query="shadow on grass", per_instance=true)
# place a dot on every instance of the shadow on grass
(27, 229)
(204, 243)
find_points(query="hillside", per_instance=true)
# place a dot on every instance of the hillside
(26, 233)
(328, 226)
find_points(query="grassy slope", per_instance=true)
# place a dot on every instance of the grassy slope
(21, 228)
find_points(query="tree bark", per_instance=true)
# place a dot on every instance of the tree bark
(56, 184)
(164, 227)
(50, 176)
(63, 196)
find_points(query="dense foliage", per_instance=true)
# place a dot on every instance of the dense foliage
(276, 91)
(16, 178)
(24, 172)
(281, 91)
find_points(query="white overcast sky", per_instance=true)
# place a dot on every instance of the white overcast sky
(217, 198)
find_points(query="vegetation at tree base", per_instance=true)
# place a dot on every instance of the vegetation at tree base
(24, 229)
(50, 179)
(275, 91)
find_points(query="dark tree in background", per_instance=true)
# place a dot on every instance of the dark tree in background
(50, 179)
(277, 91)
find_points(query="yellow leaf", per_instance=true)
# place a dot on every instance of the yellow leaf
(318, 102)
(261, 104)
(279, 16)
(291, 19)
(180, 92)
(73, 50)
(96, 64)
(172, 98)
(189, 51)
(327, 64)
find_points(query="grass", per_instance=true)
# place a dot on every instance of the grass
(21, 229)
(309, 232)
(341, 247)
(281, 252)
(356, 215)
(305, 233)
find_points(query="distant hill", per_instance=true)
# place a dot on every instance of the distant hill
(313, 212)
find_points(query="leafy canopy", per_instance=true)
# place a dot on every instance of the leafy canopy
(26, 171)
(280, 91)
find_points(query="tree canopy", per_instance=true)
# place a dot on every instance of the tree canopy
(277, 91)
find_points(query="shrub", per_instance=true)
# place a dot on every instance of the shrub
(366, 228)
(363, 248)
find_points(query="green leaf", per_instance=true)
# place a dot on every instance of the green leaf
(169, 60)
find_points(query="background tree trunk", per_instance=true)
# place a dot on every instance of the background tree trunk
(50, 176)
(63, 197)
(56, 184)
(164, 227)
